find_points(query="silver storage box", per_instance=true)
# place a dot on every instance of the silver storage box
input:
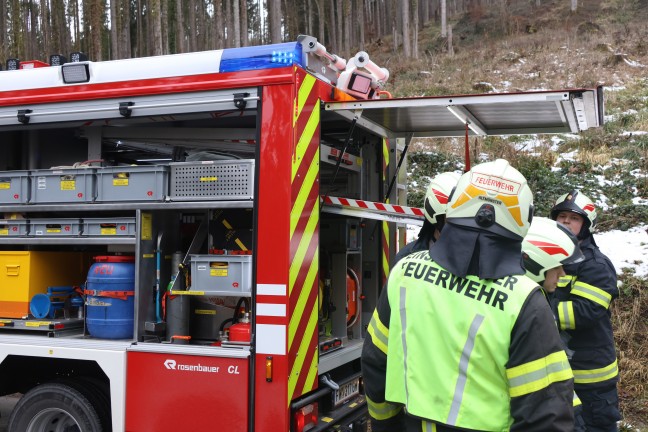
(223, 275)
(132, 183)
(109, 227)
(14, 187)
(75, 185)
(55, 227)
(212, 180)
(14, 227)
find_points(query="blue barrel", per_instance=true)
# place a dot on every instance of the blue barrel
(110, 300)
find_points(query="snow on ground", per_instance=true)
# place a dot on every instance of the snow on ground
(626, 249)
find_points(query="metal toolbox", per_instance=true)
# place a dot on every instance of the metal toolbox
(14, 187)
(132, 183)
(62, 185)
(55, 227)
(212, 180)
(25, 274)
(123, 226)
(14, 227)
(225, 275)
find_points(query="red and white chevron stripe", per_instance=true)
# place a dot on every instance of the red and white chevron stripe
(370, 205)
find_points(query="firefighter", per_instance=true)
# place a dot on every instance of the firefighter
(582, 306)
(436, 200)
(545, 249)
(461, 339)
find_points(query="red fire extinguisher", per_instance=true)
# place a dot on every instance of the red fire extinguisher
(240, 332)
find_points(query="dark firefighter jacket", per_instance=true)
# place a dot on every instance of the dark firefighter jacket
(582, 304)
(423, 242)
(537, 387)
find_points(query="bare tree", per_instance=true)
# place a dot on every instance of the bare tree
(114, 26)
(346, 36)
(164, 26)
(320, 21)
(139, 46)
(46, 25)
(4, 51)
(218, 21)
(125, 33)
(181, 44)
(155, 20)
(407, 47)
(333, 34)
(191, 19)
(444, 19)
(415, 28)
(95, 28)
(244, 23)
(360, 8)
(274, 20)
(236, 21)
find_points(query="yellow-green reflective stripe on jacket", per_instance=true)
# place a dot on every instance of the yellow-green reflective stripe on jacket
(538, 374)
(590, 292)
(589, 376)
(382, 410)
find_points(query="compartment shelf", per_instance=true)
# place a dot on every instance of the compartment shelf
(167, 205)
(99, 240)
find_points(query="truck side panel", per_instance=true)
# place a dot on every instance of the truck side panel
(272, 249)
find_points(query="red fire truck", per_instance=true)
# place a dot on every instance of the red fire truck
(196, 242)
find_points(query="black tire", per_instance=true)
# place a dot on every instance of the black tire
(98, 393)
(54, 407)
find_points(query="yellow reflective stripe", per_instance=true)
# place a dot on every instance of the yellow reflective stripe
(427, 426)
(565, 281)
(577, 400)
(590, 292)
(379, 333)
(383, 410)
(538, 374)
(596, 375)
(566, 317)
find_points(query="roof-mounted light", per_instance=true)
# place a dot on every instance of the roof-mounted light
(13, 64)
(75, 73)
(261, 57)
(57, 60)
(78, 56)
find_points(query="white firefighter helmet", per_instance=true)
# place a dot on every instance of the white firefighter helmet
(548, 245)
(580, 204)
(494, 197)
(438, 193)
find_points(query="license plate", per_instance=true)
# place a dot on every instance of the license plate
(346, 392)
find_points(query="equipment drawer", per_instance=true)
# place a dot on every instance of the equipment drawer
(216, 180)
(132, 183)
(62, 185)
(14, 187)
(228, 275)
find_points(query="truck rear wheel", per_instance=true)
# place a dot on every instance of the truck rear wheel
(54, 407)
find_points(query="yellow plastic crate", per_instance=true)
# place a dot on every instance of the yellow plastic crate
(24, 274)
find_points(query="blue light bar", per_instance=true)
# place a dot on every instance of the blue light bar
(261, 57)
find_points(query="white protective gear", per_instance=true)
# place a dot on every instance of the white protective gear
(493, 197)
(438, 192)
(548, 245)
(580, 204)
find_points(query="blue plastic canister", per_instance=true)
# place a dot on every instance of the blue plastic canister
(110, 297)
